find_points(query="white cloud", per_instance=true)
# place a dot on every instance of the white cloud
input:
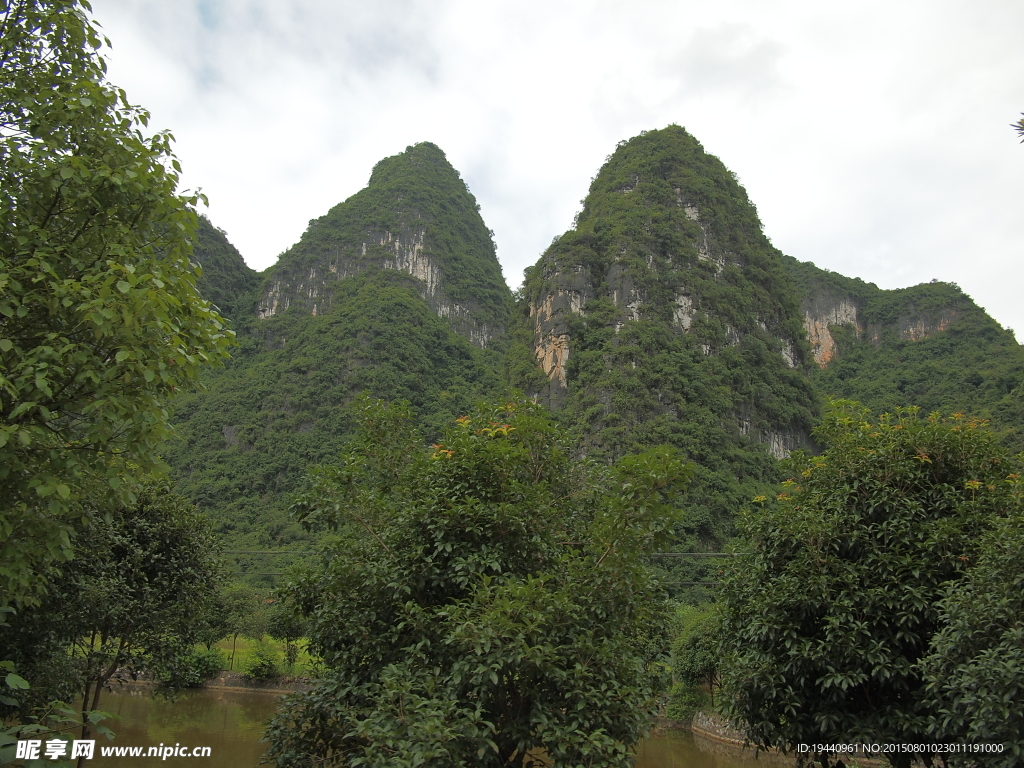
(874, 139)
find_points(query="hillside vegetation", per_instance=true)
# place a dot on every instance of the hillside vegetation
(927, 345)
(663, 316)
(245, 442)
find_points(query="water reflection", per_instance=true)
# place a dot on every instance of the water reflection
(682, 749)
(231, 723)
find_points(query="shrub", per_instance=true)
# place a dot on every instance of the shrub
(190, 670)
(684, 701)
(263, 662)
(841, 597)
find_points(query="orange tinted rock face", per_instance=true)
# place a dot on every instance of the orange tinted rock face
(817, 322)
(826, 313)
(552, 354)
(916, 328)
(571, 290)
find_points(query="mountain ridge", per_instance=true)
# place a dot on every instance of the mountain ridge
(416, 215)
(663, 316)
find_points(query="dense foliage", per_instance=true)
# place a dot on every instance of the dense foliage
(128, 603)
(828, 618)
(100, 319)
(279, 406)
(226, 281)
(928, 345)
(487, 598)
(975, 671)
(695, 646)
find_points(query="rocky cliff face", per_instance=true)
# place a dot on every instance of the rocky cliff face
(821, 313)
(928, 346)
(831, 302)
(667, 243)
(416, 216)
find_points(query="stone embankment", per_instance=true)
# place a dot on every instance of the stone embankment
(714, 734)
(236, 681)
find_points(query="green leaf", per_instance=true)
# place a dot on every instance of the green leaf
(16, 681)
(123, 286)
(6, 345)
(122, 355)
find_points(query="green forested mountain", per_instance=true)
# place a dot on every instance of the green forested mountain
(663, 316)
(928, 345)
(396, 292)
(417, 216)
(666, 316)
(227, 280)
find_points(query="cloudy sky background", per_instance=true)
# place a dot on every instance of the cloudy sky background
(874, 138)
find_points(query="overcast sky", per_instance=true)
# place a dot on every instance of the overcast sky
(873, 137)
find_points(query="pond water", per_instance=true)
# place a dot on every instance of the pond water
(231, 723)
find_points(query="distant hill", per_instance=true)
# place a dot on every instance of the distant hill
(928, 345)
(663, 315)
(415, 216)
(396, 292)
(227, 280)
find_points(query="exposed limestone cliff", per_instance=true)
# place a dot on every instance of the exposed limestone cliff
(416, 216)
(667, 241)
(822, 312)
(569, 292)
(869, 314)
(928, 346)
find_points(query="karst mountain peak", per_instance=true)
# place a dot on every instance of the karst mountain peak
(416, 215)
(664, 315)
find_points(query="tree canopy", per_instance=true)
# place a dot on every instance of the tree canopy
(829, 617)
(975, 671)
(100, 320)
(129, 603)
(487, 598)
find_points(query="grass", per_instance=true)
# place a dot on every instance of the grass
(304, 664)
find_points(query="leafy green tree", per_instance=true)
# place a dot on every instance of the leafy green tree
(827, 621)
(975, 671)
(100, 320)
(286, 625)
(214, 622)
(488, 598)
(695, 649)
(126, 605)
(244, 615)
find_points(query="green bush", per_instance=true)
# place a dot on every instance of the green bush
(684, 701)
(263, 662)
(189, 670)
(209, 663)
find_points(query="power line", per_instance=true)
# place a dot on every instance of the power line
(262, 552)
(653, 554)
(697, 554)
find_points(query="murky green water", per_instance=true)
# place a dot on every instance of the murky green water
(231, 723)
